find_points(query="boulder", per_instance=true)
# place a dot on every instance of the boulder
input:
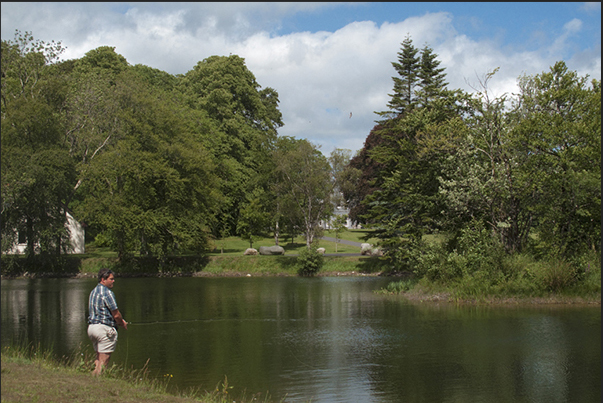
(376, 252)
(321, 250)
(366, 249)
(272, 250)
(250, 251)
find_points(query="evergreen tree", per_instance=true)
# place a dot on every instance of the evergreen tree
(431, 76)
(403, 99)
(421, 85)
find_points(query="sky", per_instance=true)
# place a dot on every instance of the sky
(331, 63)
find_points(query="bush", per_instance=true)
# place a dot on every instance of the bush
(398, 287)
(556, 275)
(16, 265)
(309, 261)
(472, 251)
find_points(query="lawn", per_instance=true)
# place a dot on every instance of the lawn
(236, 246)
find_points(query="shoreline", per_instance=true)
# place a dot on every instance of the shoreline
(412, 296)
(553, 300)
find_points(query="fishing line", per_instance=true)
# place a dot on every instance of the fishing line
(127, 349)
(301, 362)
(166, 322)
(160, 322)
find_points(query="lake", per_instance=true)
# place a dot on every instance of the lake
(327, 339)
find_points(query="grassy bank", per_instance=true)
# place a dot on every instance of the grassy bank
(287, 266)
(225, 259)
(519, 279)
(31, 375)
(468, 276)
(234, 246)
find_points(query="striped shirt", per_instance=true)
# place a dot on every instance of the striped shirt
(100, 304)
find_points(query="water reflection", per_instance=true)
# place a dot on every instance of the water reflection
(327, 339)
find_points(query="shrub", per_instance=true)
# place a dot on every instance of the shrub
(309, 261)
(556, 275)
(472, 251)
(398, 287)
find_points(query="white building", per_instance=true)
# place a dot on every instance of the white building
(339, 211)
(77, 238)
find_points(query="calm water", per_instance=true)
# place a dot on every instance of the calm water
(323, 339)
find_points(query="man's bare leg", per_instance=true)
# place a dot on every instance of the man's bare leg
(102, 360)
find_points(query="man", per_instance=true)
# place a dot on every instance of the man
(103, 319)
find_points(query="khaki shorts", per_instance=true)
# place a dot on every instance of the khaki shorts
(103, 337)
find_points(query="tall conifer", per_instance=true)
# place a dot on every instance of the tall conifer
(403, 99)
(431, 76)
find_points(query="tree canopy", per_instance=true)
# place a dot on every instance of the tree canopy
(153, 163)
(525, 168)
(158, 164)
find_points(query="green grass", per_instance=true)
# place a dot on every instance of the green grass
(234, 246)
(287, 265)
(30, 374)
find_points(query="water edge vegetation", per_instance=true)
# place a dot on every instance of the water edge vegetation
(466, 276)
(68, 379)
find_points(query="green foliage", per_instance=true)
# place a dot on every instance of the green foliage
(151, 161)
(559, 128)
(239, 128)
(310, 261)
(304, 174)
(402, 286)
(253, 219)
(503, 181)
(557, 276)
(474, 252)
(103, 58)
(339, 226)
(474, 265)
(343, 178)
(157, 165)
(37, 173)
(403, 98)
(41, 264)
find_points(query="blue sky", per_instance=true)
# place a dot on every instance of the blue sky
(328, 59)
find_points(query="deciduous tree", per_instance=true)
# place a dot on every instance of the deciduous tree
(306, 175)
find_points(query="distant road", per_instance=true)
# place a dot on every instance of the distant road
(342, 241)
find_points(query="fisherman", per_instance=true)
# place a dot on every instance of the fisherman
(103, 319)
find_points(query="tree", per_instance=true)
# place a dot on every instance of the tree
(558, 130)
(306, 175)
(431, 76)
(339, 160)
(240, 122)
(419, 90)
(36, 170)
(403, 98)
(154, 191)
(363, 172)
(92, 108)
(339, 226)
(478, 181)
(404, 203)
(253, 219)
(23, 63)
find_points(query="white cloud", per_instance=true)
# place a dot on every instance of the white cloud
(592, 6)
(320, 76)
